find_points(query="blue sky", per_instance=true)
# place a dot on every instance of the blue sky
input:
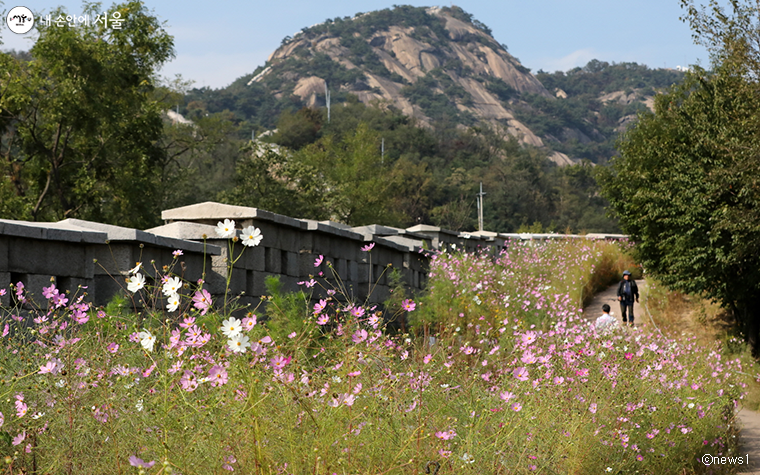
(217, 42)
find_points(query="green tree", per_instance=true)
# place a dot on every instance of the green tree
(270, 178)
(358, 180)
(80, 122)
(687, 183)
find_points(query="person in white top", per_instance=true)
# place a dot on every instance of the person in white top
(606, 321)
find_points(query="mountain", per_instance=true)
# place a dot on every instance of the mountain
(439, 65)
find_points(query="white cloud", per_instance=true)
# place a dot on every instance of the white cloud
(576, 58)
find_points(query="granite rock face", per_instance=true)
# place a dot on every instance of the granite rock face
(399, 55)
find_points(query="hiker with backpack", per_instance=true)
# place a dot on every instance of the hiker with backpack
(627, 291)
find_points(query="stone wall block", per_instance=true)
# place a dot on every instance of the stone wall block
(272, 260)
(4, 248)
(292, 264)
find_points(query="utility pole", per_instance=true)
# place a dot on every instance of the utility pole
(480, 207)
(327, 99)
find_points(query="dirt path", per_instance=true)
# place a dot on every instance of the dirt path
(609, 296)
(749, 436)
(749, 439)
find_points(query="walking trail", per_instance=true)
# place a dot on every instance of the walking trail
(749, 421)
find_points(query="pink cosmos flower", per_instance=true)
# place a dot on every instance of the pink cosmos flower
(318, 260)
(446, 435)
(628, 356)
(21, 407)
(19, 438)
(528, 337)
(202, 300)
(507, 396)
(20, 292)
(323, 319)
(249, 323)
(217, 375)
(558, 380)
(148, 371)
(279, 362)
(319, 306)
(48, 292)
(520, 373)
(188, 382)
(359, 336)
(592, 408)
(528, 357)
(516, 406)
(59, 300)
(53, 366)
(193, 333)
(80, 317)
(2, 292)
(343, 399)
(357, 312)
(6, 329)
(427, 359)
(408, 305)
(368, 247)
(140, 463)
(187, 322)
(177, 253)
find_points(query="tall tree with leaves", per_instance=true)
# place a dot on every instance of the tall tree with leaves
(687, 183)
(80, 122)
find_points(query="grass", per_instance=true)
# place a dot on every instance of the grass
(683, 315)
(499, 373)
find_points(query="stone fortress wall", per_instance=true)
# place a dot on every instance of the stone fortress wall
(97, 256)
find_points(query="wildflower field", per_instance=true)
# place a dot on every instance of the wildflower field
(498, 372)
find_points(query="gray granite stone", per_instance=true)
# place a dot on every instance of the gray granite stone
(272, 260)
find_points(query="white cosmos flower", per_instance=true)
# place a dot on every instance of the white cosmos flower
(136, 282)
(173, 302)
(172, 286)
(136, 268)
(252, 236)
(239, 343)
(225, 229)
(231, 327)
(147, 340)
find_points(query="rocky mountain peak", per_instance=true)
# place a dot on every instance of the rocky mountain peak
(431, 63)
